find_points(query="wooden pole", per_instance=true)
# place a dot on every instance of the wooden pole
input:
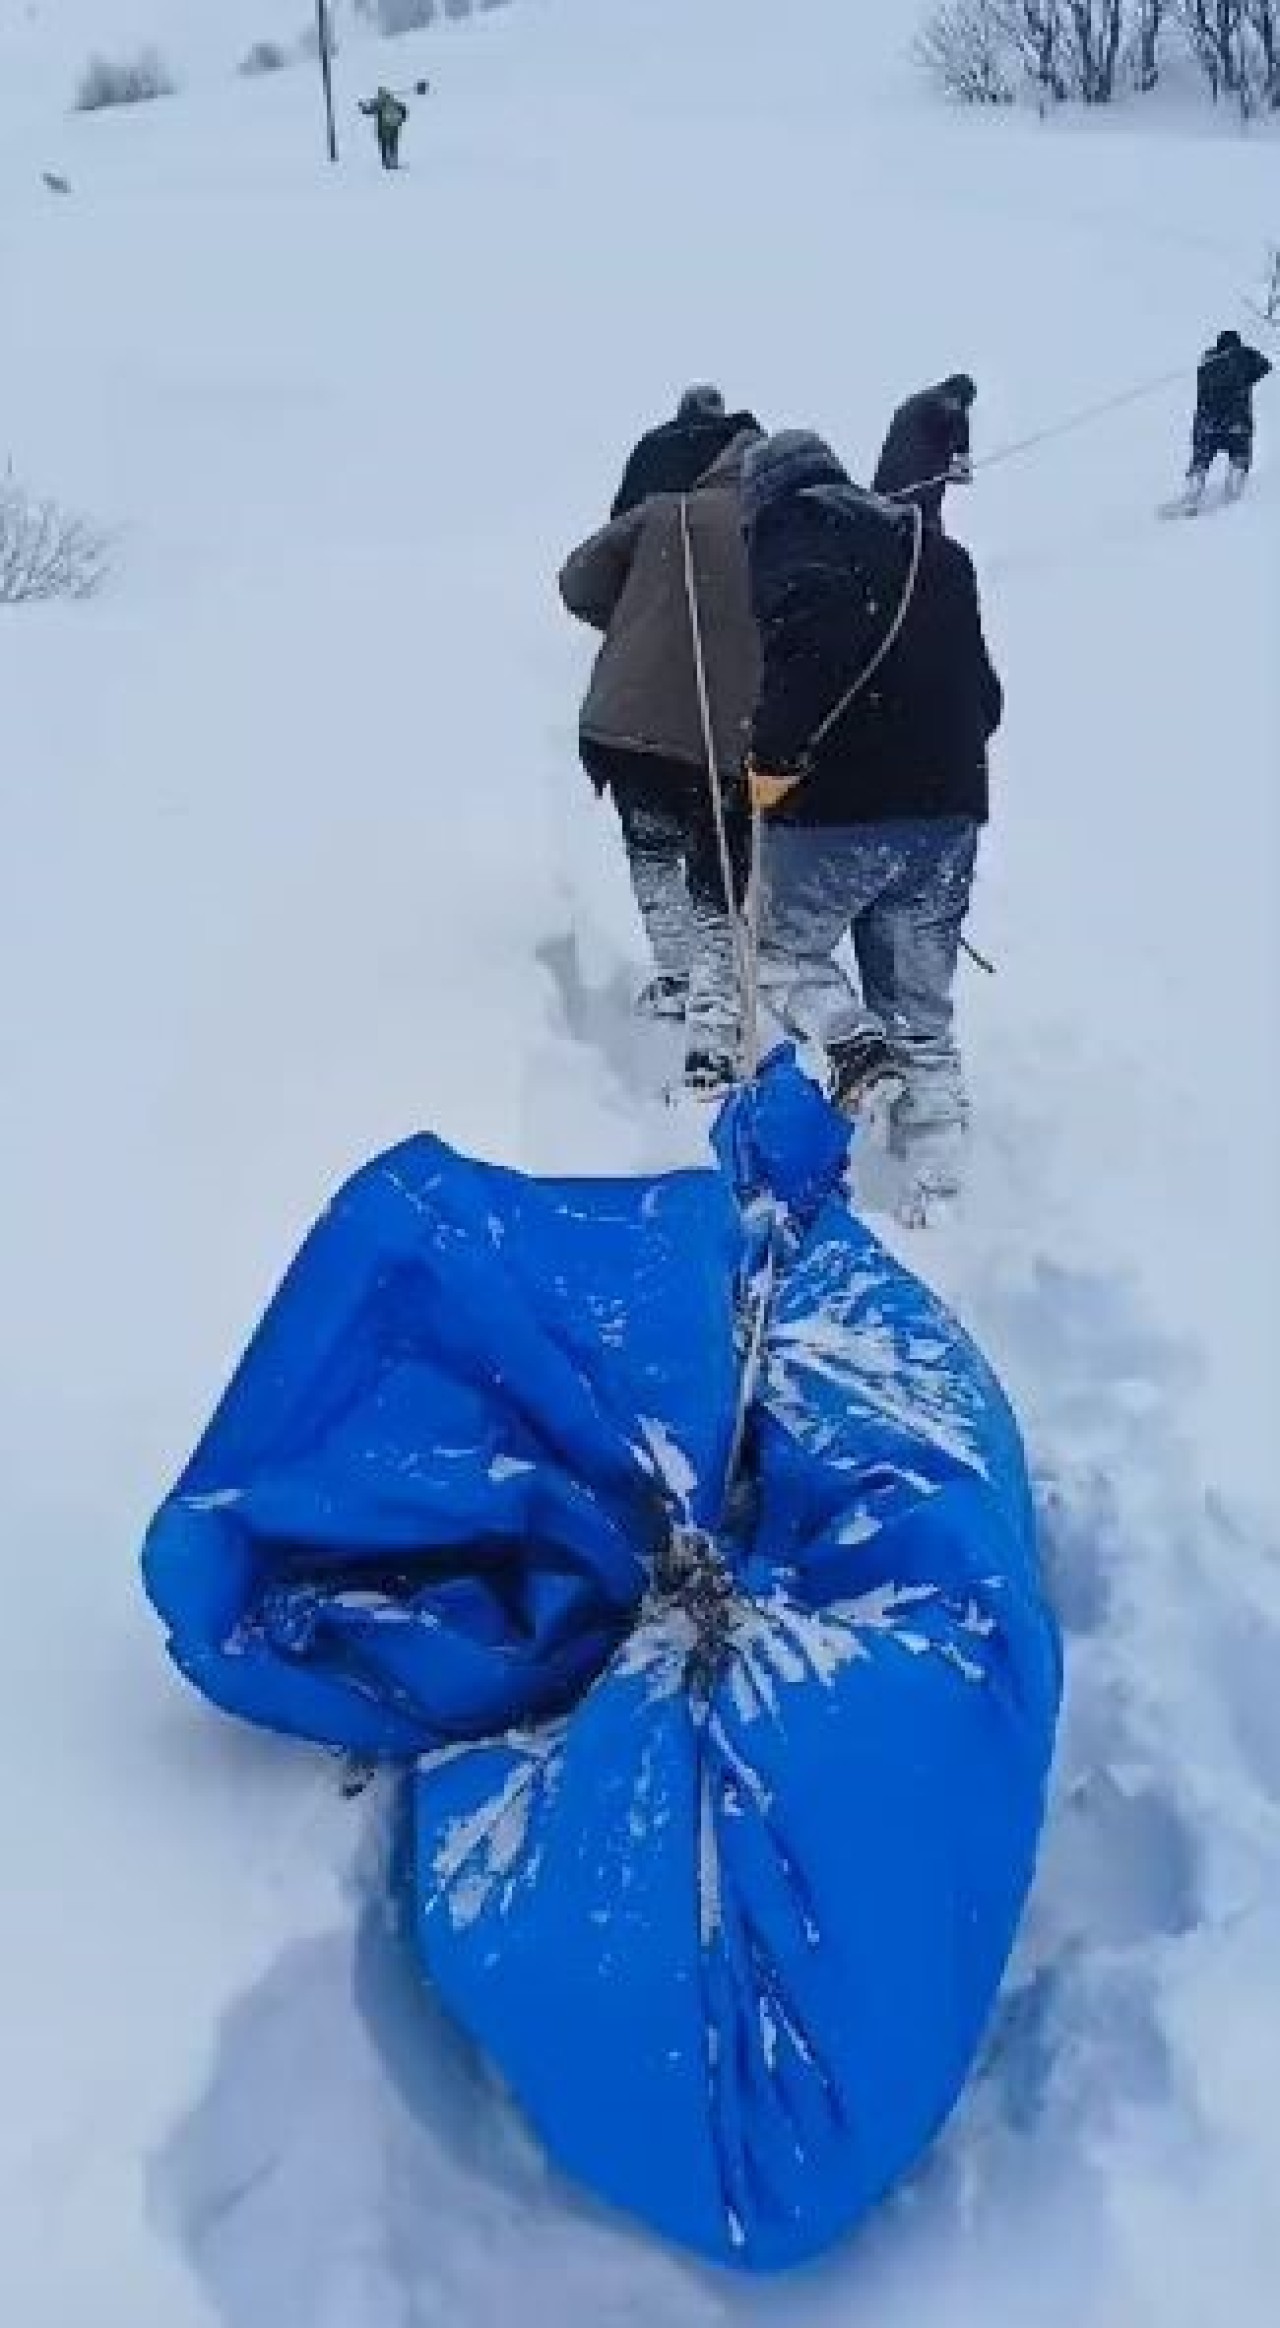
(324, 44)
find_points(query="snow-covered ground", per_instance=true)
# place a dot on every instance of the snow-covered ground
(297, 857)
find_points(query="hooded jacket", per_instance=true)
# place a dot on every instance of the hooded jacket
(628, 581)
(1229, 372)
(829, 570)
(928, 439)
(672, 457)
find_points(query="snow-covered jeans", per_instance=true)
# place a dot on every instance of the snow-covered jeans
(676, 873)
(900, 891)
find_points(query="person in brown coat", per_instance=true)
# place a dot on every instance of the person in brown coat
(642, 738)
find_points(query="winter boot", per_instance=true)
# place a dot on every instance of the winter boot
(1237, 479)
(666, 996)
(863, 1076)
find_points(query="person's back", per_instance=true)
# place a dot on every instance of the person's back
(643, 739)
(672, 457)
(928, 445)
(831, 569)
(1228, 373)
(629, 582)
(868, 766)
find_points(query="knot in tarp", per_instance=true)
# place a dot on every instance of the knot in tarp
(681, 1543)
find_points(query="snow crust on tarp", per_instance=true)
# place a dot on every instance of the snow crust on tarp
(723, 1874)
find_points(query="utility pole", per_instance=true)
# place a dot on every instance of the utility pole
(324, 44)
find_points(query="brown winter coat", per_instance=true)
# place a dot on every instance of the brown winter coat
(628, 581)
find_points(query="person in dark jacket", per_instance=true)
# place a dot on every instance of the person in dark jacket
(1228, 374)
(643, 740)
(928, 446)
(672, 457)
(388, 114)
(868, 760)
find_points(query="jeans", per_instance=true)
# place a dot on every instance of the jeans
(677, 875)
(901, 892)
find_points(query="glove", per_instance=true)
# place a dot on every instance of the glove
(767, 792)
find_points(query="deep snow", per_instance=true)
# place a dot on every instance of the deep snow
(297, 857)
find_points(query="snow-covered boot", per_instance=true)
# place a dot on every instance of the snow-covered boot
(1237, 479)
(864, 1077)
(1190, 501)
(666, 996)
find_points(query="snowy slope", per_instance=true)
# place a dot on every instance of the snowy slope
(307, 772)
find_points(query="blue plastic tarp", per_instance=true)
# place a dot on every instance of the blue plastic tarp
(729, 1729)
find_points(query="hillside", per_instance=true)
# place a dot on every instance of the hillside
(306, 770)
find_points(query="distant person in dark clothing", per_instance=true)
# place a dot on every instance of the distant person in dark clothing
(868, 762)
(1229, 372)
(389, 115)
(927, 447)
(672, 457)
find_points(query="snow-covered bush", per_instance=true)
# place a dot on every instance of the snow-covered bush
(126, 81)
(266, 56)
(396, 16)
(983, 51)
(45, 552)
(963, 47)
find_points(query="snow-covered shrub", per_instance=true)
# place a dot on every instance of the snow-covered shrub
(396, 16)
(126, 81)
(45, 552)
(266, 56)
(964, 48)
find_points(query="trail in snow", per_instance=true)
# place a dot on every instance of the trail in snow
(298, 857)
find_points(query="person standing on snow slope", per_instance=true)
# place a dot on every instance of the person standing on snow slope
(928, 447)
(672, 457)
(868, 761)
(389, 115)
(642, 735)
(1228, 374)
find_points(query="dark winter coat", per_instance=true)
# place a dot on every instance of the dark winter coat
(672, 458)
(1224, 390)
(628, 581)
(928, 442)
(387, 112)
(829, 567)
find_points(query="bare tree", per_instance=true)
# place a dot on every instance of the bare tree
(44, 552)
(1263, 17)
(1034, 30)
(1092, 35)
(1213, 29)
(965, 49)
(1146, 33)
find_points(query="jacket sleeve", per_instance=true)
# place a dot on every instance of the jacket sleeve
(1257, 365)
(594, 575)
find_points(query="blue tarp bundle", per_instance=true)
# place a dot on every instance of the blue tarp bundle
(729, 1729)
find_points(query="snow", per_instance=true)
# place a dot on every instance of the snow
(297, 858)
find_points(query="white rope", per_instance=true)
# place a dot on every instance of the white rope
(744, 970)
(1084, 418)
(883, 651)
